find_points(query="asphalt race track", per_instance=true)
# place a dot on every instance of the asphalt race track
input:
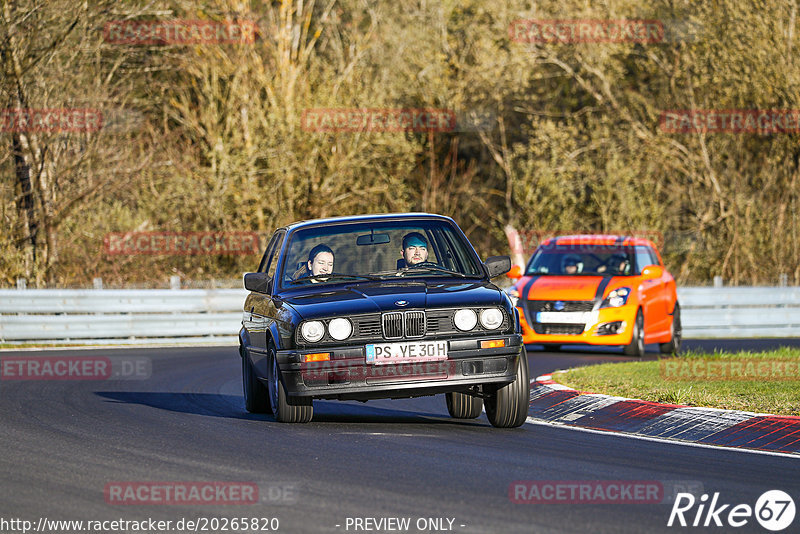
(64, 441)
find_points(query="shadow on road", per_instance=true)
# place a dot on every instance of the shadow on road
(232, 406)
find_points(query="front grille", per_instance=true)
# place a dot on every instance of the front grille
(440, 321)
(393, 325)
(367, 327)
(403, 324)
(569, 305)
(415, 323)
(558, 329)
(372, 327)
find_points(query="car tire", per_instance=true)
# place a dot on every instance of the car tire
(256, 396)
(673, 346)
(285, 409)
(507, 406)
(636, 346)
(463, 406)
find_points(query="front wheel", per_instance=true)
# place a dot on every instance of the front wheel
(636, 346)
(286, 409)
(673, 346)
(507, 406)
(463, 406)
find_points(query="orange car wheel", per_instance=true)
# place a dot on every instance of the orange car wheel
(636, 346)
(673, 346)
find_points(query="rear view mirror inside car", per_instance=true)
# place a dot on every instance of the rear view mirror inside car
(372, 239)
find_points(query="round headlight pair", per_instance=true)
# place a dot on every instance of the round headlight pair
(465, 320)
(339, 329)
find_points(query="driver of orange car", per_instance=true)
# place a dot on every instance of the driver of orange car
(571, 265)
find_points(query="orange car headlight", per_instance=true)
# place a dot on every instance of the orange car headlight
(616, 298)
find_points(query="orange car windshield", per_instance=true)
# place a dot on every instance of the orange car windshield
(582, 260)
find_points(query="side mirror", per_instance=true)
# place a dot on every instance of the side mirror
(652, 272)
(515, 273)
(258, 282)
(497, 265)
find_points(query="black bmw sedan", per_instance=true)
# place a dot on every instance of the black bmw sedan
(381, 306)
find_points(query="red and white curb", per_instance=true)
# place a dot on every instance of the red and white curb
(557, 404)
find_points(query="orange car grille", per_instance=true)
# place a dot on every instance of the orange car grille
(558, 329)
(568, 305)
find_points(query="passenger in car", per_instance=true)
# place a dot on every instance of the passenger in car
(320, 261)
(617, 264)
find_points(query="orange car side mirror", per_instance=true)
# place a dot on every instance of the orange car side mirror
(515, 273)
(652, 272)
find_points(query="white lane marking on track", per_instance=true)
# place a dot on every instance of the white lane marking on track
(393, 434)
(532, 421)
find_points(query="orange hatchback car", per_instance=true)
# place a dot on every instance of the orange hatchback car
(597, 290)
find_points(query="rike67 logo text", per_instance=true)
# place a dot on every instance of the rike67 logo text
(774, 510)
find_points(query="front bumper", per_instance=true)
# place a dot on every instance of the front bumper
(589, 333)
(347, 376)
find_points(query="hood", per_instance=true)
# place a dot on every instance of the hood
(552, 287)
(383, 296)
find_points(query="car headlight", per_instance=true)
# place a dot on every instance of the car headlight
(465, 319)
(312, 331)
(340, 329)
(513, 294)
(491, 318)
(616, 298)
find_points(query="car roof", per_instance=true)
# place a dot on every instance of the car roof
(598, 239)
(365, 218)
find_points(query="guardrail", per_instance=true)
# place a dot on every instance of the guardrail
(124, 316)
(740, 311)
(214, 316)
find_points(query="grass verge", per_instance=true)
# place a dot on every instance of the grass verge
(763, 382)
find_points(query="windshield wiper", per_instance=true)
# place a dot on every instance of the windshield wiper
(434, 268)
(327, 277)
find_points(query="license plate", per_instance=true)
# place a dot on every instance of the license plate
(562, 317)
(422, 351)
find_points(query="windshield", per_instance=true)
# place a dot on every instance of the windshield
(378, 250)
(582, 260)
